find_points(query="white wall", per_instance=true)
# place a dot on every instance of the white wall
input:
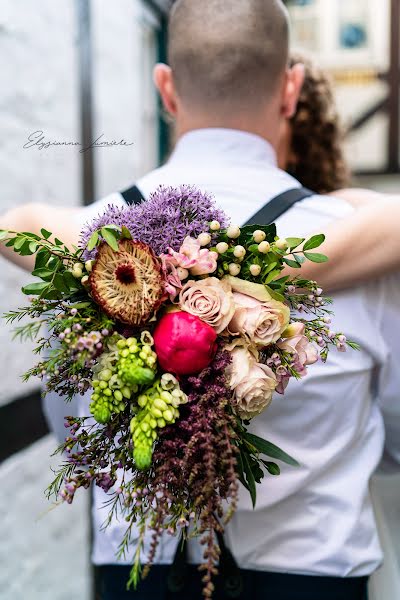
(47, 558)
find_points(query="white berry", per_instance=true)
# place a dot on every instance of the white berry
(234, 269)
(264, 247)
(89, 265)
(281, 244)
(182, 273)
(259, 236)
(233, 232)
(222, 247)
(255, 270)
(204, 239)
(239, 251)
(215, 226)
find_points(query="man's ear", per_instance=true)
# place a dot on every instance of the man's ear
(162, 76)
(293, 84)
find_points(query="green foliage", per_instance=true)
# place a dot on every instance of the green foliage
(314, 242)
(316, 257)
(110, 234)
(269, 449)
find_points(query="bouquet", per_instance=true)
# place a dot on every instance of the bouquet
(183, 328)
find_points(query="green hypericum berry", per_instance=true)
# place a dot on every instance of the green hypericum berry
(157, 409)
(101, 414)
(142, 455)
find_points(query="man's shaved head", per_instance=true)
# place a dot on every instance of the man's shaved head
(227, 54)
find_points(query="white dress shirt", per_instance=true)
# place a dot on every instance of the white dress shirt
(316, 519)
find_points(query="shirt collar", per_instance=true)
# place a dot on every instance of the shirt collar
(223, 146)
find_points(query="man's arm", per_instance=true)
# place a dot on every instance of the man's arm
(32, 217)
(360, 247)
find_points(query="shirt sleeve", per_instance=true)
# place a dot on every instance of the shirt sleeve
(87, 213)
(389, 376)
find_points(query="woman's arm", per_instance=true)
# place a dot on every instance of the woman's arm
(360, 247)
(32, 217)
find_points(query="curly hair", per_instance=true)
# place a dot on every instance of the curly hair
(317, 158)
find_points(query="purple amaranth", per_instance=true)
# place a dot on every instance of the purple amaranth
(163, 221)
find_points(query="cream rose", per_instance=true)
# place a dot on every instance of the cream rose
(262, 322)
(253, 383)
(209, 299)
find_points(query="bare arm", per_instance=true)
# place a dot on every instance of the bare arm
(32, 217)
(360, 247)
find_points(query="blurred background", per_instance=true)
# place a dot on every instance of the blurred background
(79, 69)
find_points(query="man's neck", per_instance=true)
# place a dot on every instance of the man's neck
(267, 131)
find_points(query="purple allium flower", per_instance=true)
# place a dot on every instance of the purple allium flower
(164, 220)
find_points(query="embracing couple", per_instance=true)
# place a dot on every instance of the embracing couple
(233, 94)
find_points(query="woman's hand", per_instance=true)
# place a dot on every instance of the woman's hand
(32, 217)
(363, 246)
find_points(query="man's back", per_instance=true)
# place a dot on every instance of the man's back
(317, 518)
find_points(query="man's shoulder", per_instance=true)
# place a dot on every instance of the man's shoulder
(315, 212)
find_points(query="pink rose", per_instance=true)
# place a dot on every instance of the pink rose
(209, 299)
(253, 383)
(262, 322)
(199, 261)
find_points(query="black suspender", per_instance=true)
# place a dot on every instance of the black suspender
(132, 195)
(271, 211)
(276, 207)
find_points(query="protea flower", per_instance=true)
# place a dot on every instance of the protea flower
(128, 284)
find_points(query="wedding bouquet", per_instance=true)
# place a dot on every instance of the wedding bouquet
(183, 327)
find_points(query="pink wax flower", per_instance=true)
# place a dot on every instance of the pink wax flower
(197, 260)
(304, 353)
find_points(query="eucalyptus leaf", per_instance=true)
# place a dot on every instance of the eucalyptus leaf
(299, 259)
(92, 243)
(46, 234)
(271, 267)
(291, 263)
(125, 233)
(314, 242)
(19, 242)
(43, 273)
(110, 238)
(25, 249)
(272, 276)
(316, 257)
(71, 283)
(269, 449)
(42, 258)
(60, 284)
(277, 296)
(294, 242)
(35, 289)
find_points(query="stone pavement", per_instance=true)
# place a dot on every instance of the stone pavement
(44, 551)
